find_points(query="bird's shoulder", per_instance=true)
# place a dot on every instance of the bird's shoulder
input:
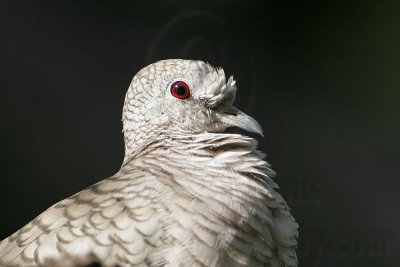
(116, 216)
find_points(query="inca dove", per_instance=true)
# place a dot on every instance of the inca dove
(186, 195)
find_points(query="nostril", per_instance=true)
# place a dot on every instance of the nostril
(230, 113)
(229, 110)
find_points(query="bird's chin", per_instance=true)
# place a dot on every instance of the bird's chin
(220, 128)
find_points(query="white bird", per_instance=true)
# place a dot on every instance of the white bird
(187, 194)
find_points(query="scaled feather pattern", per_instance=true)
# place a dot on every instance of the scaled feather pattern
(187, 194)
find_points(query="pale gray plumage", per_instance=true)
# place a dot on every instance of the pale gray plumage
(186, 194)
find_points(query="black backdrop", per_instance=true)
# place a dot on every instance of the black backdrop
(322, 78)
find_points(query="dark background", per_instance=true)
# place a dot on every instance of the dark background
(321, 77)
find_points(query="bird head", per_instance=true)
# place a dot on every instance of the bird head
(179, 96)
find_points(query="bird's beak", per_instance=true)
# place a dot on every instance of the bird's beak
(233, 117)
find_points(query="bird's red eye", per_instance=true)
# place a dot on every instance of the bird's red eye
(180, 90)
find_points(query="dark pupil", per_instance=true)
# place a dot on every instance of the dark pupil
(180, 90)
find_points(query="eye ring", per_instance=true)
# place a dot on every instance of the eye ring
(180, 90)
